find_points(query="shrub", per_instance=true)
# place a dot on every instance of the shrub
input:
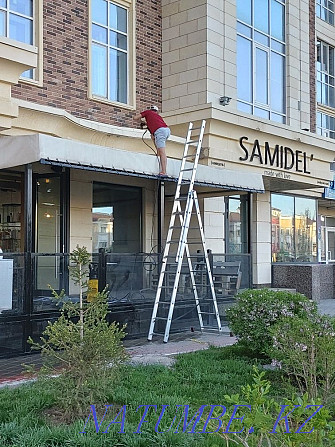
(257, 310)
(81, 346)
(306, 351)
(263, 414)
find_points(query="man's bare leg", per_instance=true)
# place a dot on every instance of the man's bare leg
(163, 159)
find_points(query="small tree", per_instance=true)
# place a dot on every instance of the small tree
(81, 346)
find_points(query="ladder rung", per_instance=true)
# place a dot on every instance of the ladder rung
(161, 318)
(208, 328)
(177, 199)
(175, 241)
(180, 227)
(187, 169)
(178, 213)
(192, 141)
(207, 313)
(173, 256)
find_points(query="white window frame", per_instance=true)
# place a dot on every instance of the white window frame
(129, 5)
(328, 12)
(324, 131)
(268, 49)
(37, 19)
(323, 72)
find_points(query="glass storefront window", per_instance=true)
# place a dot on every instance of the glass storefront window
(238, 224)
(116, 218)
(305, 229)
(293, 229)
(11, 215)
(282, 228)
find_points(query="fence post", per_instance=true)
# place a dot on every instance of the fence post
(102, 269)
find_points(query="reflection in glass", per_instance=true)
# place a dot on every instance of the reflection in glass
(24, 7)
(48, 232)
(118, 76)
(293, 229)
(116, 218)
(282, 228)
(99, 11)
(118, 40)
(277, 118)
(99, 33)
(261, 38)
(99, 70)
(325, 10)
(261, 15)
(238, 224)
(244, 79)
(21, 29)
(243, 29)
(2, 23)
(244, 10)
(305, 229)
(110, 61)
(29, 74)
(11, 219)
(261, 113)
(246, 108)
(277, 20)
(261, 76)
(117, 18)
(277, 82)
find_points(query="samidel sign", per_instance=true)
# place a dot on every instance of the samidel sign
(279, 156)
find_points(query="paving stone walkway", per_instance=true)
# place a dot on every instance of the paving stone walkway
(327, 307)
(141, 352)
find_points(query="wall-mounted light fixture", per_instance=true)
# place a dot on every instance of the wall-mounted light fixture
(224, 100)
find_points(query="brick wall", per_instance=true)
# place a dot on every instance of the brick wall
(65, 71)
(312, 50)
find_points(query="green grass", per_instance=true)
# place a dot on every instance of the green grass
(196, 379)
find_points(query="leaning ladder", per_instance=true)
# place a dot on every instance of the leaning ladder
(174, 262)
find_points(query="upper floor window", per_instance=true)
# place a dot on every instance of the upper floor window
(261, 58)
(325, 68)
(325, 10)
(16, 20)
(325, 125)
(109, 51)
(17, 23)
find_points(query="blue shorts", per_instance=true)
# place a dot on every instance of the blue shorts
(161, 135)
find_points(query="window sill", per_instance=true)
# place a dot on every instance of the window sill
(33, 82)
(111, 103)
(325, 109)
(15, 58)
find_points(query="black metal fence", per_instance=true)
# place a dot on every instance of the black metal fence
(27, 303)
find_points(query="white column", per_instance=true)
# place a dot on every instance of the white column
(261, 239)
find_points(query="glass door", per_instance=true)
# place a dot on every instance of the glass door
(330, 245)
(48, 239)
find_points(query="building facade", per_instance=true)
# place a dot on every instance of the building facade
(75, 169)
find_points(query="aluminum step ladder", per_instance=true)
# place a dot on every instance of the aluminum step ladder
(173, 263)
